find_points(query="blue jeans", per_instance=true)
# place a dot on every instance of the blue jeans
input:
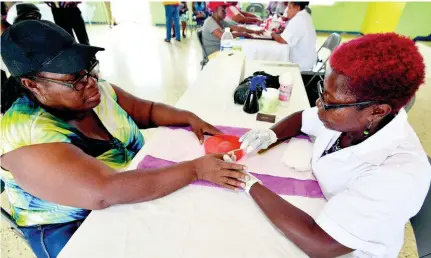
(46, 241)
(172, 13)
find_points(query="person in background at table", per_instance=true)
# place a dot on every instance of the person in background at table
(200, 12)
(172, 17)
(65, 133)
(183, 18)
(281, 7)
(271, 8)
(367, 159)
(214, 26)
(68, 16)
(235, 14)
(300, 36)
(284, 15)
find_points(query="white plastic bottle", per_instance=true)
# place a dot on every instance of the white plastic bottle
(286, 84)
(226, 43)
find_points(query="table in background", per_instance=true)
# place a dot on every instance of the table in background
(198, 221)
(267, 50)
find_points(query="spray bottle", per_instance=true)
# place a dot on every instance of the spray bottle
(251, 104)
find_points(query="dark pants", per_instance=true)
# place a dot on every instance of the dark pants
(70, 19)
(422, 38)
(172, 13)
(46, 241)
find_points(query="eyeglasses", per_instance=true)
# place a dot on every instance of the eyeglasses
(325, 106)
(80, 82)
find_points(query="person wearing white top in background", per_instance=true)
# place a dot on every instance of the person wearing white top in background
(367, 159)
(300, 36)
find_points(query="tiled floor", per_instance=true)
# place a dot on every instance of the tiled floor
(137, 59)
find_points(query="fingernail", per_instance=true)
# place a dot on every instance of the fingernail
(242, 185)
(244, 168)
(247, 178)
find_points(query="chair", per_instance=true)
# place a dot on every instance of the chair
(319, 70)
(421, 224)
(410, 104)
(204, 52)
(256, 8)
(8, 218)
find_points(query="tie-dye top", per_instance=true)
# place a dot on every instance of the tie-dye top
(27, 124)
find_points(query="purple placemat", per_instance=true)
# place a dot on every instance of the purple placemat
(279, 185)
(235, 131)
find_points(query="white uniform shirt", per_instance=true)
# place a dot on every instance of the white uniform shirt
(372, 188)
(300, 36)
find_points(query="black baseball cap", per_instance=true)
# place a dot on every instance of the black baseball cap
(42, 46)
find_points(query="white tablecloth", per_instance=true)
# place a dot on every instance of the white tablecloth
(267, 50)
(197, 221)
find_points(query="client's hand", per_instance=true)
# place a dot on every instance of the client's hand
(212, 168)
(252, 179)
(200, 127)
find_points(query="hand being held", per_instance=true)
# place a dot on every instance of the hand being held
(200, 128)
(213, 169)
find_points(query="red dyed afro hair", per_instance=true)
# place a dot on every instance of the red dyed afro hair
(383, 67)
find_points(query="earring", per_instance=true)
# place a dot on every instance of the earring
(367, 131)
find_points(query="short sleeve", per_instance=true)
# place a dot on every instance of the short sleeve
(231, 11)
(293, 31)
(107, 88)
(210, 25)
(47, 129)
(13, 134)
(227, 23)
(311, 123)
(372, 213)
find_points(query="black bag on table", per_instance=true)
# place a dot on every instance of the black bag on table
(241, 91)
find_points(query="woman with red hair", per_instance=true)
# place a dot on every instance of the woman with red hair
(367, 159)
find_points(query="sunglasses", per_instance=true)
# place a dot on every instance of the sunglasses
(320, 91)
(81, 81)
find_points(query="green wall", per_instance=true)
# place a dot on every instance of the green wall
(415, 19)
(158, 12)
(99, 15)
(342, 16)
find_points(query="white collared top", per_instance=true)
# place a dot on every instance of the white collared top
(300, 36)
(372, 188)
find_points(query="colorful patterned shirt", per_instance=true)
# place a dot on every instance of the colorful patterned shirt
(26, 123)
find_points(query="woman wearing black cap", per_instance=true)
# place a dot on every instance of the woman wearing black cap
(65, 133)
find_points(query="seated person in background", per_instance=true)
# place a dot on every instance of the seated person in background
(367, 159)
(200, 12)
(271, 8)
(214, 26)
(300, 36)
(233, 13)
(65, 133)
(281, 7)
